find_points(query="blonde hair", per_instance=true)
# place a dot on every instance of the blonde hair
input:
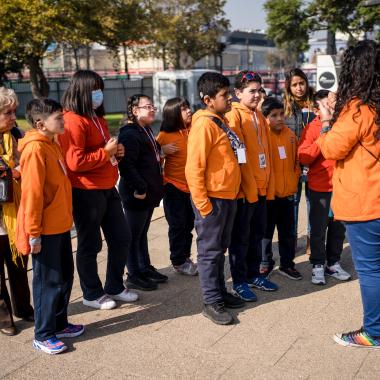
(8, 98)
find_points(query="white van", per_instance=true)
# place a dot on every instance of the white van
(172, 83)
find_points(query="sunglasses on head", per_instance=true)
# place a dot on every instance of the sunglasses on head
(251, 76)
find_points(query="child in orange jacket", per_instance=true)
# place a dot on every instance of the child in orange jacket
(326, 234)
(173, 136)
(213, 176)
(280, 211)
(45, 217)
(257, 186)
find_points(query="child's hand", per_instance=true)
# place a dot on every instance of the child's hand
(16, 174)
(139, 196)
(324, 112)
(111, 146)
(34, 249)
(120, 152)
(169, 148)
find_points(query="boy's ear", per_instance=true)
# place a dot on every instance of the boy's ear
(207, 100)
(39, 124)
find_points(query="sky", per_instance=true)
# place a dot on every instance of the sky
(246, 14)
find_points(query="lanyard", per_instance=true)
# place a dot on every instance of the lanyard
(257, 128)
(152, 140)
(99, 128)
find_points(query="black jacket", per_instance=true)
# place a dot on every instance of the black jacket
(139, 170)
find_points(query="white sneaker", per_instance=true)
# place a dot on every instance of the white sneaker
(102, 303)
(337, 272)
(125, 296)
(318, 275)
(188, 268)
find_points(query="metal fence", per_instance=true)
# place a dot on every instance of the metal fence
(116, 92)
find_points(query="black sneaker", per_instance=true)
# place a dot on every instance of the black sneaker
(140, 282)
(153, 275)
(291, 273)
(232, 302)
(217, 313)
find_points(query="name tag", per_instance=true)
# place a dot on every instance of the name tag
(241, 156)
(282, 153)
(262, 161)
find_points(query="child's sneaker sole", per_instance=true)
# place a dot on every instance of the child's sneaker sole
(338, 339)
(47, 350)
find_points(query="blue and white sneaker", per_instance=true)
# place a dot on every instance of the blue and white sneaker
(244, 292)
(262, 283)
(71, 331)
(51, 346)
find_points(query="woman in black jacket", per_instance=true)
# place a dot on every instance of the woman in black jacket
(141, 188)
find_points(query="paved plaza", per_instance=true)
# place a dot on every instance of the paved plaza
(285, 335)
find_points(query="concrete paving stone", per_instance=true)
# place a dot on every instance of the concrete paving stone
(14, 355)
(319, 354)
(250, 370)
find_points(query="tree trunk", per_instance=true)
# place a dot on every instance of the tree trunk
(76, 58)
(88, 57)
(38, 82)
(126, 69)
(331, 43)
(164, 62)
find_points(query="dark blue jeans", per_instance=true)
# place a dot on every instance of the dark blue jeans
(364, 238)
(214, 235)
(180, 217)
(247, 235)
(53, 274)
(280, 213)
(95, 210)
(138, 221)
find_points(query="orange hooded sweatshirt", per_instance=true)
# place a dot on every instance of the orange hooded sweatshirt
(255, 180)
(286, 170)
(353, 144)
(211, 168)
(46, 207)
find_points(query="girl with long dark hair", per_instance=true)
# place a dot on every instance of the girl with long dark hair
(353, 141)
(141, 188)
(91, 157)
(298, 104)
(175, 127)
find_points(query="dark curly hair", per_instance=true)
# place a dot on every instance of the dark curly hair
(360, 78)
(133, 101)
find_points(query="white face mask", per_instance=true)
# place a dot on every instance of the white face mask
(97, 98)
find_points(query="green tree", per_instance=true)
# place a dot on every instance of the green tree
(184, 31)
(290, 21)
(288, 26)
(27, 29)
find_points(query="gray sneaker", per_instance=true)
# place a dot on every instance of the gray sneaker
(187, 268)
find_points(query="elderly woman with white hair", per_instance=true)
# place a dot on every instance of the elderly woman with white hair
(16, 264)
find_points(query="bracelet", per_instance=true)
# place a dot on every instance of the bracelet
(326, 121)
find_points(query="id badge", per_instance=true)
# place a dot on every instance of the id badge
(262, 161)
(241, 156)
(282, 152)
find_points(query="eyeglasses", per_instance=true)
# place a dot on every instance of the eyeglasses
(251, 76)
(149, 107)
